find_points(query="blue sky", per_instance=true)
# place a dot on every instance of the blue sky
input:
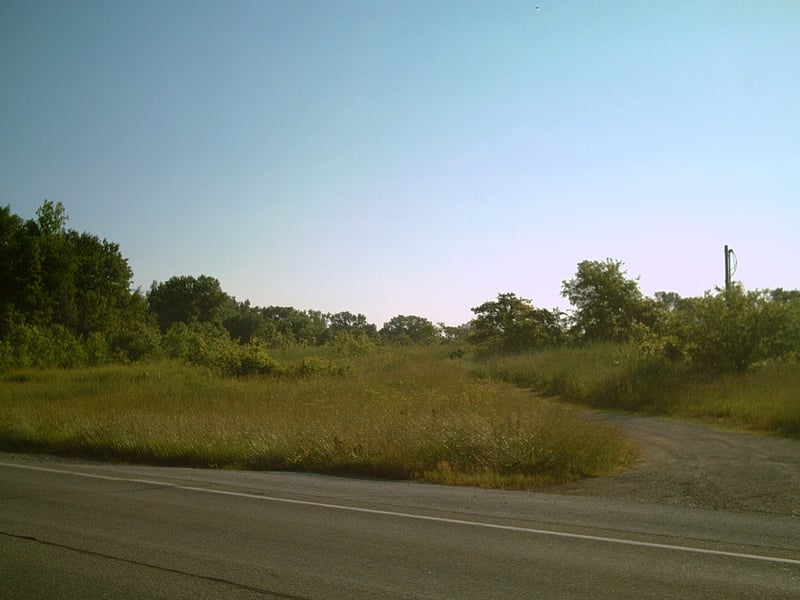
(411, 157)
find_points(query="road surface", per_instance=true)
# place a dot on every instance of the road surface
(72, 530)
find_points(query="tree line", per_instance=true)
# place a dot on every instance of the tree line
(66, 299)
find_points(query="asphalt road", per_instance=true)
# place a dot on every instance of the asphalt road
(70, 530)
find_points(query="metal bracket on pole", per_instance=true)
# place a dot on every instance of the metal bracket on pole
(728, 253)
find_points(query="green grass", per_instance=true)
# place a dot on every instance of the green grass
(399, 413)
(573, 373)
(610, 376)
(766, 399)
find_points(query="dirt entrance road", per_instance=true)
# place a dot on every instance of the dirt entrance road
(695, 465)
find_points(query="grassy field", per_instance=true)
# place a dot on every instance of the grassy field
(396, 413)
(609, 376)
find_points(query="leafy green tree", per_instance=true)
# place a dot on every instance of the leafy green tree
(455, 333)
(188, 299)
(65, 297)
(102, 284)
(511, 323)
(607, 304)
(49, 269)
(136, 334)
(245, 324)
(669, 301)
(292, 326)
(410, 329)
(316, 327)
(12, 230)
(52, 218)
(54, 276)
(347, 322)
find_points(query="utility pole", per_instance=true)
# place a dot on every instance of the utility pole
(728, 253)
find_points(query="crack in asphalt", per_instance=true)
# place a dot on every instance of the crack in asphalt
(242, 586)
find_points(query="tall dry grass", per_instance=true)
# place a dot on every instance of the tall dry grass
(766, 398)
(402, 413)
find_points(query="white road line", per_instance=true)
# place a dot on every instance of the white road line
(389, 513)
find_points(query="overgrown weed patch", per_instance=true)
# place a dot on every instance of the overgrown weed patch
(403, 413)
(764, 398)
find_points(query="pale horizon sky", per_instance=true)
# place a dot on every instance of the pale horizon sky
(394, 157)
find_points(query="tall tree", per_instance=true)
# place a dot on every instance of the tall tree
(187, 299)
(12, 229)
(51, 217)
(53, 276)
(245, 324)
(410, 329)
(513, 323)
(295, 326)
(102, 282)
(347, 322)
(607, 304)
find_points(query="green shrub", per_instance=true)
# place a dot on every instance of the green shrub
(353, 344)
(134, 341)
(42, 347)
(732, 330)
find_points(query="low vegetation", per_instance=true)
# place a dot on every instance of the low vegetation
(764, 398)
(408, 413)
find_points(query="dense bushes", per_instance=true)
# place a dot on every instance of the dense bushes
(65, 300)
(731, 330)
(26, 346)
(211, 346)
(511, 324)
(720, 332)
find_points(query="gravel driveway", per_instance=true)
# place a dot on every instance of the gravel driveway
(696, 465)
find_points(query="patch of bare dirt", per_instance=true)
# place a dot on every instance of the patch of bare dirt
(688, 464)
